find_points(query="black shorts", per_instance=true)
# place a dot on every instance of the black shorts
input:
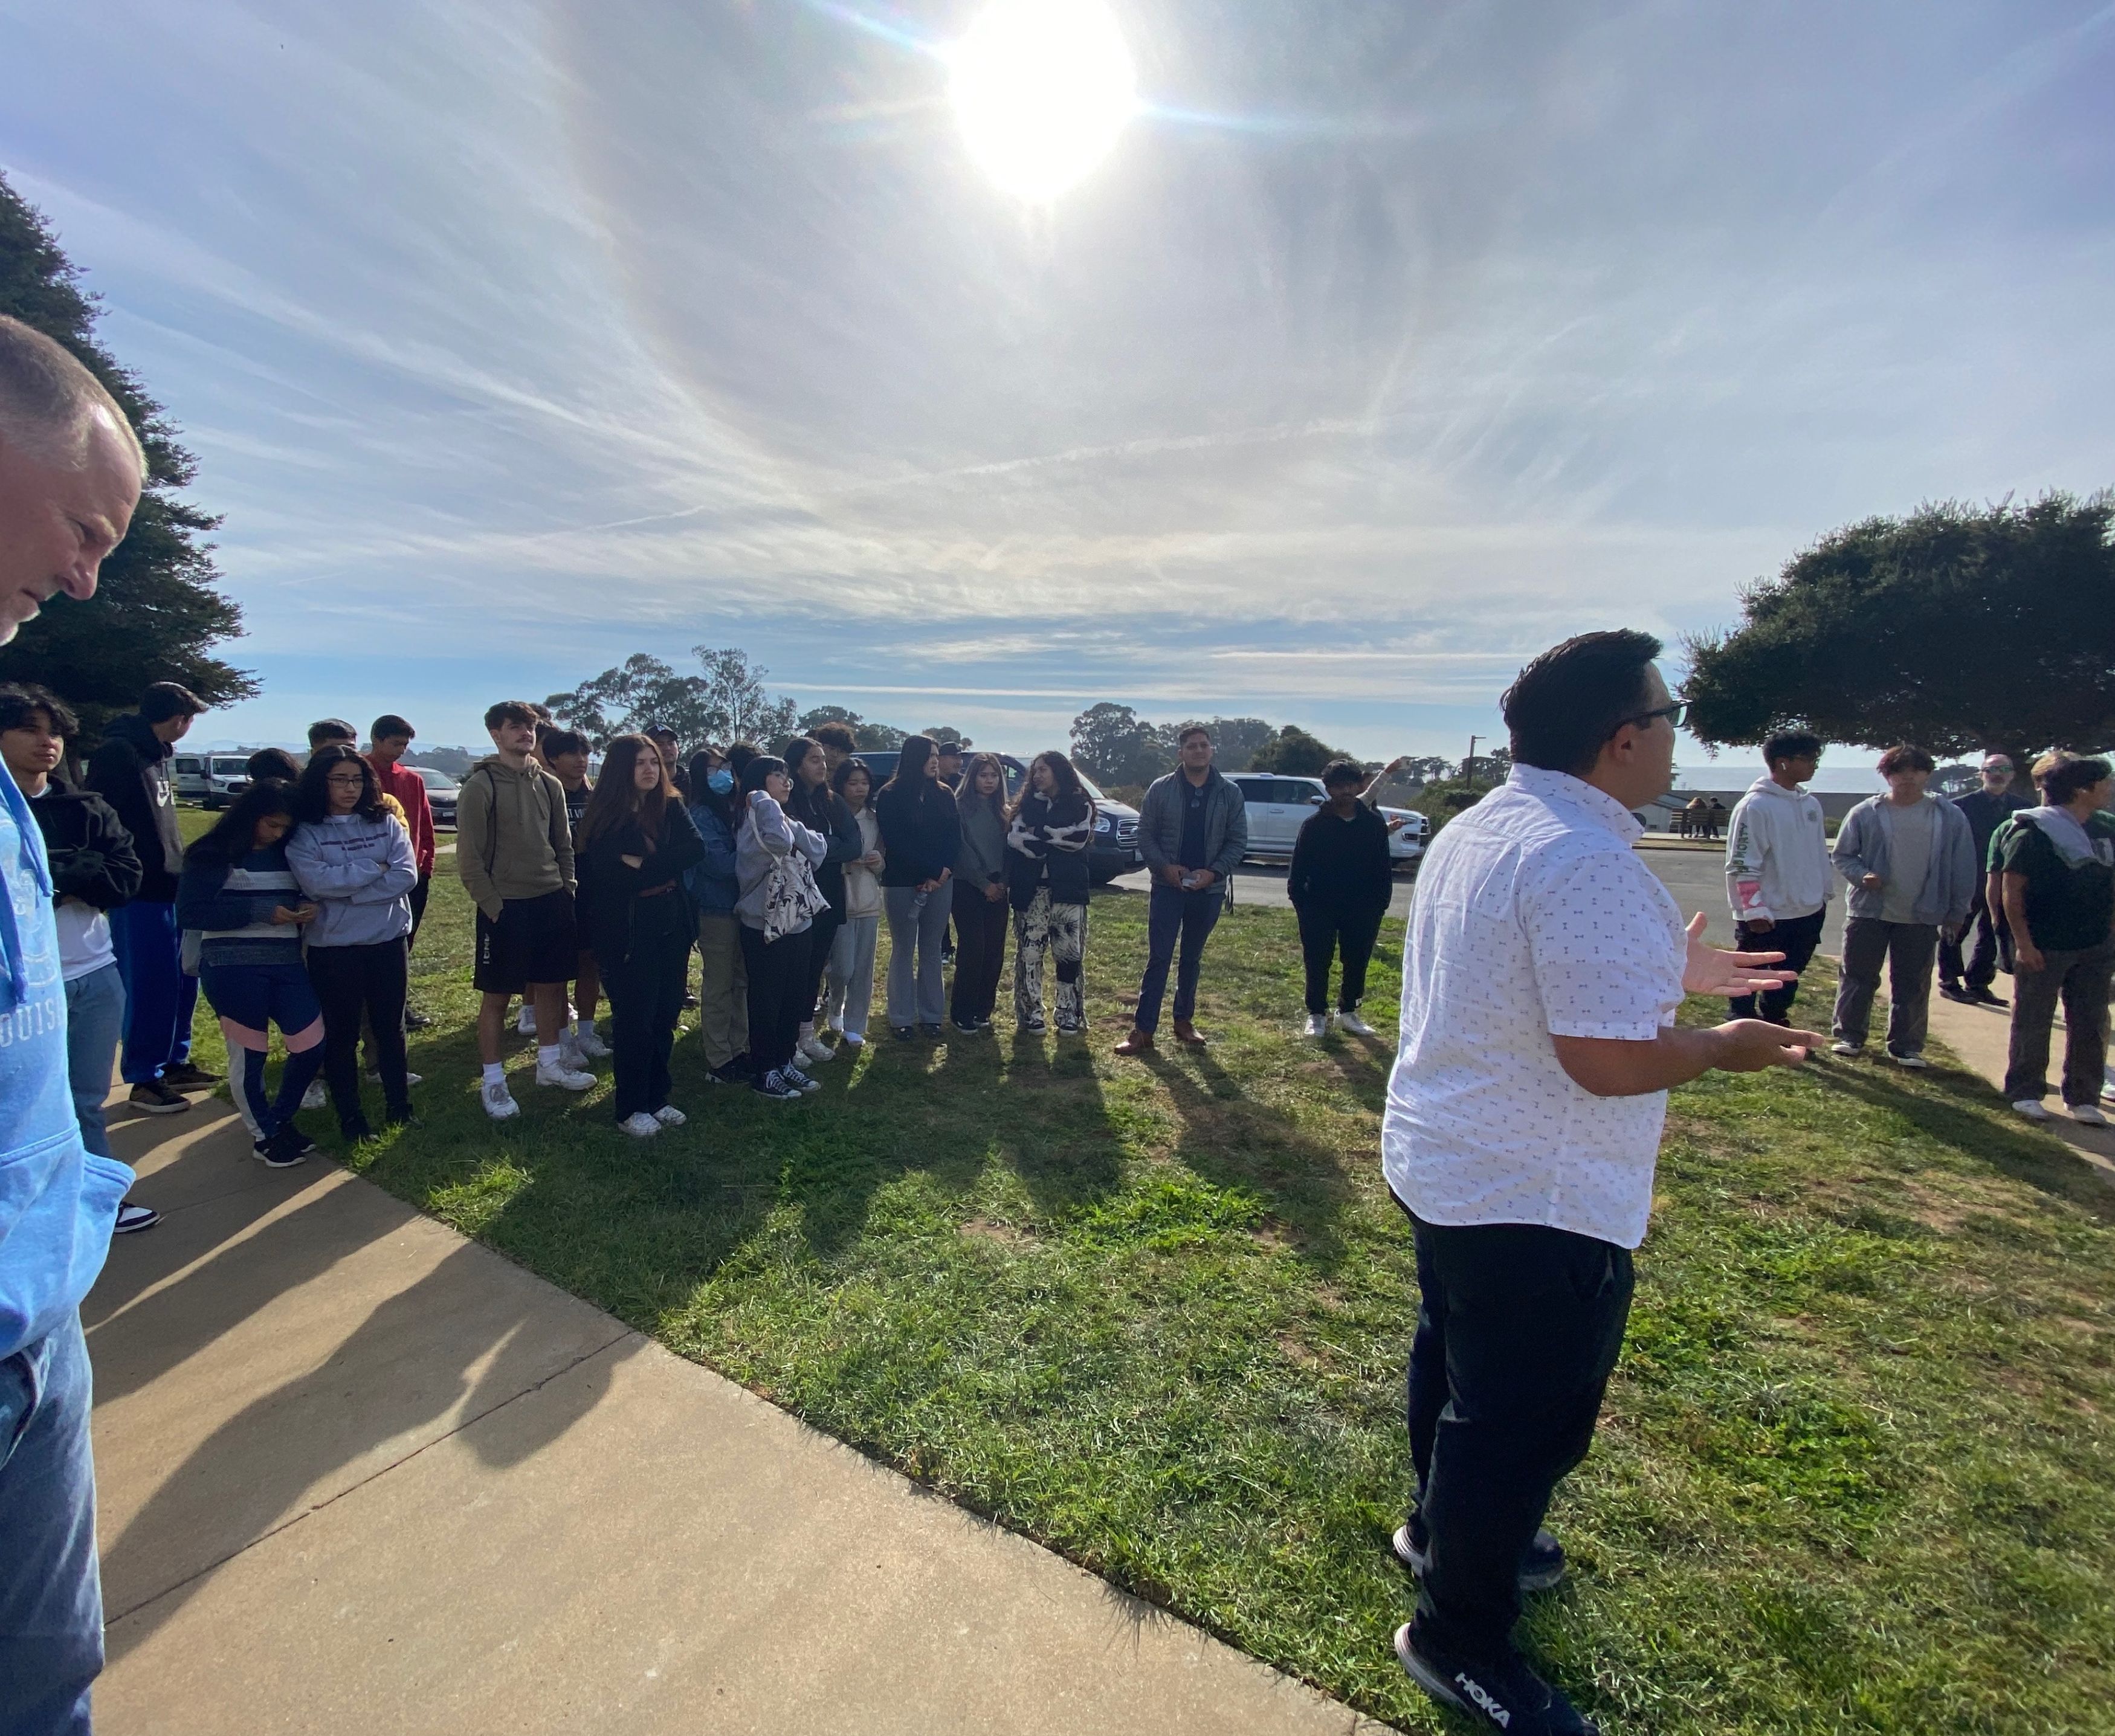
(534, 940)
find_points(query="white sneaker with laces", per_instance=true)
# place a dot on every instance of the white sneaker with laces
(316, 1095)
(1352, 1023)
(573, 1055)
(526, 1021)
(1316, 1028)
(2033, 1108)
(2088, 1115)
(639, 1124)
(566, 1079)
(1841, 1048)
(375, 1079)
(668, 1115)
(497, 1100)
(587, 1043)
(816, 1050)
(1915, 1063)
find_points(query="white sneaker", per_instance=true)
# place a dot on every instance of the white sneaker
(569, 1079)
(497, 1100)
(1842, 1047)
(2088, 1115)
(1352, 1023)
(573, 1055)
(587, 1043)
(2033, 1108)
(375, 1079)
(1915, 1063)
(639, 1124)
(816, 1050)
(525, 1022)
(1316, 1028)
(857, 1040)
(668, 1115)
(316, 1095)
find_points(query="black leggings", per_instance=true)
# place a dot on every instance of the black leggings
(777, 983)
(1324, 931)
(645, 993)
(822, 933)
(349, 981)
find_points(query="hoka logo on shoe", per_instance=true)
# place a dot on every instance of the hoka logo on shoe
(1481, 1695)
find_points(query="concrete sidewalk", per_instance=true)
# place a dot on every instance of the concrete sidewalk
(1978, 1036)
(359, 1474)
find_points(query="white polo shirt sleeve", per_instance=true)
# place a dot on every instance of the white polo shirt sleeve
(1598, 949)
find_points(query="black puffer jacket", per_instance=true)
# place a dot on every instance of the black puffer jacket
(92, 855)
(130, 772)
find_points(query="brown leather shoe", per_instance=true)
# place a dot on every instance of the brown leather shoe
(1187, 1032)
(1139, 1042)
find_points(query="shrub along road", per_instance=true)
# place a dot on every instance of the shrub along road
(1855, 1463)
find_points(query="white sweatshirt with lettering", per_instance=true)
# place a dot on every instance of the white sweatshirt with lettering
(1777, 855)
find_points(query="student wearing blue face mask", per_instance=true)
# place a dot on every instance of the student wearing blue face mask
(724, 994)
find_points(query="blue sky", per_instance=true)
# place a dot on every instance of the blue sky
(1393, 342)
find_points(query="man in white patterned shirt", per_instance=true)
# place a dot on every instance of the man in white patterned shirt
(1542, 969)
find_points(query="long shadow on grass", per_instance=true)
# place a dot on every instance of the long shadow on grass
(1953, 1109)
(1233, 1141)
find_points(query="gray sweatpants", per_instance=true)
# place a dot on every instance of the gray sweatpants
(917, 988)
(1907, 949)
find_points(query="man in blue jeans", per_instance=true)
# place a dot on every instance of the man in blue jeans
(1193, 831)
(70, 474)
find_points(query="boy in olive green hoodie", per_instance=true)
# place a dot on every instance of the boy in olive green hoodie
(514, 851)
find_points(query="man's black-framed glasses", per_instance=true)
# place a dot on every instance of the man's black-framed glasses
(1674, 713)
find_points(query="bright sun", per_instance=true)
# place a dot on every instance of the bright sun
(1041, 89)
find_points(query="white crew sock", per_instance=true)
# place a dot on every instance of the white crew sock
(494, 1074)
(583, 1027)
(550, 1055)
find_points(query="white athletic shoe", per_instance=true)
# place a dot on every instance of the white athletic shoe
(1915, 1063)
(2033, 1108)
(526, 1023)
(587, 1043)
(375, 1079)
(668, 1115)
(568, 1079)
(816, 1050)
(497, 1100)
(1840, 1047)
(1316, 1028)
(639, 1124)
(573, 1055)
(857, 1040)
(316, 1095)
(1352, 1023)
(2088, 1115)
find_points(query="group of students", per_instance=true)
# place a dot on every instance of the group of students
(2033, 884)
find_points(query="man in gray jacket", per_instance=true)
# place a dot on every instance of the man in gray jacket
(1193, 831)
(1911, 865)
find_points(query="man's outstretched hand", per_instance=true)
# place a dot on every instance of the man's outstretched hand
(1709, 971)
(1749, 1044)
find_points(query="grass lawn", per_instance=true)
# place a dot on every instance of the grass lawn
(1855, 1469)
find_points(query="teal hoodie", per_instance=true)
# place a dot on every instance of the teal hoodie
(57, 1200)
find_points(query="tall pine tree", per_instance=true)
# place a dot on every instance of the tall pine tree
(155, 613)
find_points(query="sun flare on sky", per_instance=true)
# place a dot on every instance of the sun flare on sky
(1041, 89)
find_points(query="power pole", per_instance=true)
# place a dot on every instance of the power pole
(1469, 765)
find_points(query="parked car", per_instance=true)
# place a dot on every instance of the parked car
(1278, 807)
(211, 780)
(1115, 849)
(442, 792)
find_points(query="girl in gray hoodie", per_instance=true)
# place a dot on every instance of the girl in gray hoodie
(354, 859)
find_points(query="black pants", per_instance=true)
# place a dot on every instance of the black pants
(1326, 930)
(822, 935)
(418, 895)
(645, 992)
(1796, 937)
(352, 983)
(1979, 968)
(1518, 1328)
(980, 925)
(778, 982)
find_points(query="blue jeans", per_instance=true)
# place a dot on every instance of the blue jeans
(1173, 915)
(51, 1592)
(160, 997)
(95, 1021)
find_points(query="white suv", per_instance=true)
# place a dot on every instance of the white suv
(1278, 807)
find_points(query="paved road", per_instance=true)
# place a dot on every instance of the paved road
(1697, 879)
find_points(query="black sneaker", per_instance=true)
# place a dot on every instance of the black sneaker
(1983, 997)
(282, 1150)
(931, 1032)
(967, 1026)
(1542, 1567)
(902, 1032)
(132, 1217)
(152, 1097)
(690, 1002)
(775, 1085)
(290, 1138)
(1035, 1028)
(1507, 1695)
(415, 1020)
(353, 1132)
(1955, 991)
(189, 1078)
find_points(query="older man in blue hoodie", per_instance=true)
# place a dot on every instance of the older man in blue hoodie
(70, 474)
